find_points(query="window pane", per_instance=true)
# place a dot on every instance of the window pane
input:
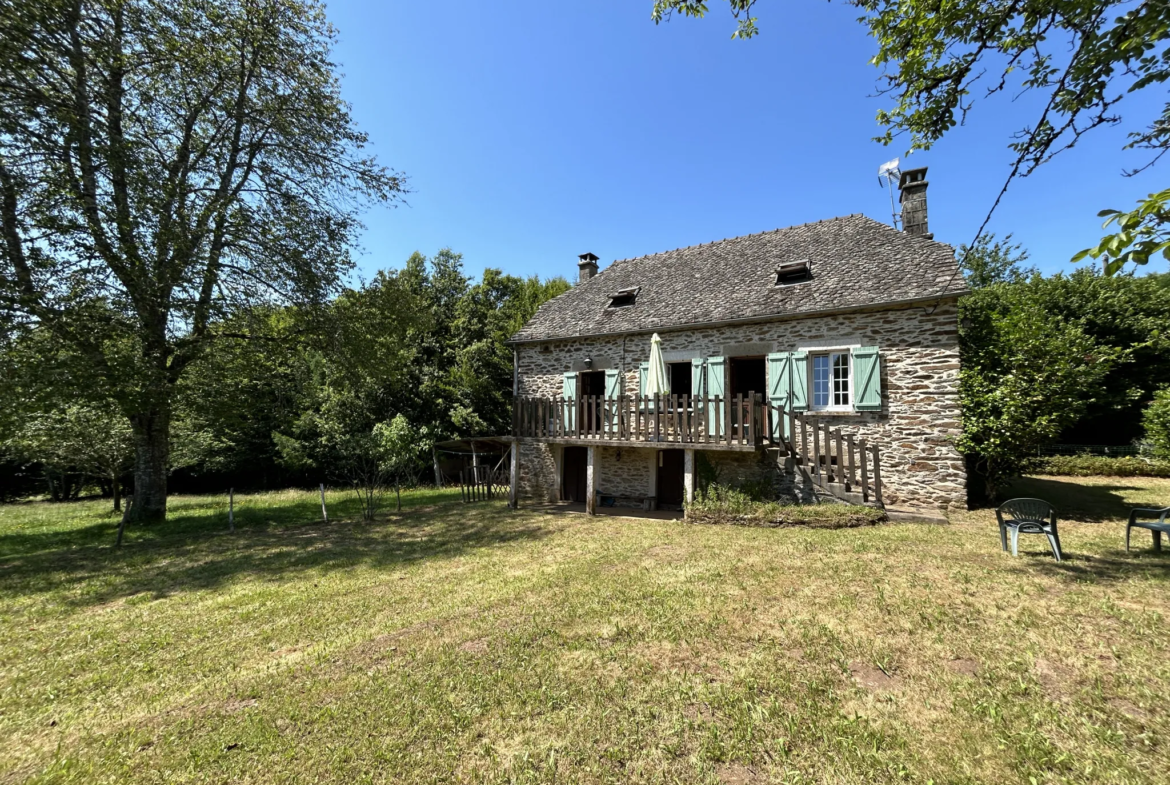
(821, 380)
(840, 380)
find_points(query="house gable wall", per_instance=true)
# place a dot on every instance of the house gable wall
(914, 429)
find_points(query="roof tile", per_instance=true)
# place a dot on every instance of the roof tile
(856, 262)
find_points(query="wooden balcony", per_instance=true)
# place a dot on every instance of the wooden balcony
(840, 464)
(700, 422)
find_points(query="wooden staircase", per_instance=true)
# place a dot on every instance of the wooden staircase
(846, 468)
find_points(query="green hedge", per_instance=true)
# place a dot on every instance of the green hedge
(1098, 466)
(732, 507)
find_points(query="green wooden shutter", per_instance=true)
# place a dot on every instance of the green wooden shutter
(569, 390)
(613, 388)
(697, 385)
(800, 381)
(715, 387)
(613, 383)
(780, 389)
(867, 379)
(643, 374)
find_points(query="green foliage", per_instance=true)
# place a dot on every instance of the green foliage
(740, 9)
(293, 395)
(72, 443)
(164, 165)
(411, 358)
(1097, 466)
(1027, 376)
(1156, 421)
(1071, 357)
(1141, 233)
(59, 420)
(706, 474)
(990, 261)
(1080, 56)
(722, 504)
(401, 448)
(1126, 313)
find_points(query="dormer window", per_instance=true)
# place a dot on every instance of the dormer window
(794, 272)
(624, 297)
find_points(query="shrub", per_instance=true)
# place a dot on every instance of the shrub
(724, 505)
(1156, 421)
(1098, 466)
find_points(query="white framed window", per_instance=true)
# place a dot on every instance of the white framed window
(832, 382)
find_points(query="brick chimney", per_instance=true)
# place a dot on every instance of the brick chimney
(588, 267)
(913, 198)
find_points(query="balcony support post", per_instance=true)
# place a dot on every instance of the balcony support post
(591, 480)
(688, 479)
(514, 485)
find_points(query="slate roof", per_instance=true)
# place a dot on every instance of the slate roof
(856, 263)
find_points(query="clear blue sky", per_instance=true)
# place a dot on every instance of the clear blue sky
(533, 131)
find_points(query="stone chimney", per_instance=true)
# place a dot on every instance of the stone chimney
(588, 267)
(913, 198)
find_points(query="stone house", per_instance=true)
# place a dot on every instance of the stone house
(840, 334)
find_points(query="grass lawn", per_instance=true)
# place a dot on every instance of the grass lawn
(469, 643)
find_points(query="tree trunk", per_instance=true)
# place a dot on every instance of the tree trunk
(151, 455)
(122, 523)
(117, 489)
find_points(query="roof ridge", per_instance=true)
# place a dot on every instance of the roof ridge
(736, 237)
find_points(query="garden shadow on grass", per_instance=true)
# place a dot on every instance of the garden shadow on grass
(187, 517)
(166, 566)
(1078, 502)
(1109, 567)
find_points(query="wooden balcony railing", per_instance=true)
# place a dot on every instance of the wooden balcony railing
(839, 463)
(732, 421)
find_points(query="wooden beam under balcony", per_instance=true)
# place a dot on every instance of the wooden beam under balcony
(664, 445)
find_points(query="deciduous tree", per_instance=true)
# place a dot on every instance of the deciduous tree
(1027, 375)
(162, 164)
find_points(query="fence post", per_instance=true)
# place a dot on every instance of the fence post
(324, 512)
(852, 478)
(231, 509)
(864, 469)
(816, 429)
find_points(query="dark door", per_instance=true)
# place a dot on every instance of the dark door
(573, 481)
(670, 478)
(748, 375)
(592, 384)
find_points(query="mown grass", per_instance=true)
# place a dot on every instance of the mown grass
(471, 643)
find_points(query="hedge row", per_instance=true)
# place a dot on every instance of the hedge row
(1098, 465)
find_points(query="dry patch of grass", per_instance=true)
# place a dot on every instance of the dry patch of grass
(471, 643)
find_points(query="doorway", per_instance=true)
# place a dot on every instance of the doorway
(592, 383)
(671, 485)
(748, 374)
(679, 375)
(574, 465)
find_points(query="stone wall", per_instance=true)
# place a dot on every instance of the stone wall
(915, 428)
(630, 478)
(538, 473)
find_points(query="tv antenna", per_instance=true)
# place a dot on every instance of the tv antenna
(889, 172)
